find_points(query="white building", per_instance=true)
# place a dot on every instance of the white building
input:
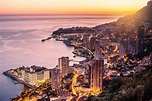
(35, 77)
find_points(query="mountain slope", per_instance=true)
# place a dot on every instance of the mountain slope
(143, 15)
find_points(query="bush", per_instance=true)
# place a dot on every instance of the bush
(115, 84)
(130, 94)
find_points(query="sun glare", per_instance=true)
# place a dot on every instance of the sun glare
(70, 6)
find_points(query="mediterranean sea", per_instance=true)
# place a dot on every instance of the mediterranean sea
(20, 43)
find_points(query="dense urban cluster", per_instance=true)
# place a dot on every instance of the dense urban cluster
(117, 65)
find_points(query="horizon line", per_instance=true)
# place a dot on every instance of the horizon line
(61, 14)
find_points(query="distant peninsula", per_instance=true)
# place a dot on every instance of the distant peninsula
(144, 15)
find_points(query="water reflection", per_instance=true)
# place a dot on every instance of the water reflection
(20, 45)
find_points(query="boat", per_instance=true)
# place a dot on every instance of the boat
(16, 82)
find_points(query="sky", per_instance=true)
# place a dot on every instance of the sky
(71, 6)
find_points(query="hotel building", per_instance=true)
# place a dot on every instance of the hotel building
(55, 78)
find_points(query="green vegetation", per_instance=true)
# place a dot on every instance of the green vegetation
(136, 88)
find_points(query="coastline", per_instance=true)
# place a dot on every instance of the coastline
(15, 78)
(124, 80)
(18, 80)
(6, 73)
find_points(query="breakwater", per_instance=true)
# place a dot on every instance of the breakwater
(17, 79)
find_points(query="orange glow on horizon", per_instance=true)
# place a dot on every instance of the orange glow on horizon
(71, 6)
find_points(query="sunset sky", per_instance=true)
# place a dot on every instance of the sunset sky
(70, 6)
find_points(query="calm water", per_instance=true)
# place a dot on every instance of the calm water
(20, 43)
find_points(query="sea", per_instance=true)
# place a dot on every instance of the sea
(20, 43)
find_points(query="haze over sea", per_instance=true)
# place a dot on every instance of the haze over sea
(20, 43)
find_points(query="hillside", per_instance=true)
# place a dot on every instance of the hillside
(136, 88)
(143, 15)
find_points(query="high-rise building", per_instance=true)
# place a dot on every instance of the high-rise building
(63, 64)
(46, 74)
(97, 52)
(40, 76)
(55, 77)
(32, 78)
(92, 43)
(86, 40)
(96, 74)
(140, 39)
(121, 50)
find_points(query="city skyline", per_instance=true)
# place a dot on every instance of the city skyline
(71, 6)
(78, 50)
